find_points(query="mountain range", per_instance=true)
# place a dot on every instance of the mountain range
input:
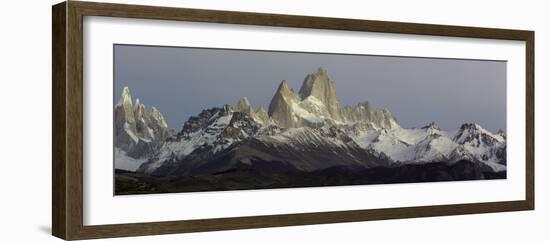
(307, 137)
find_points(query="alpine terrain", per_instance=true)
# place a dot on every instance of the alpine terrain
(302, 139)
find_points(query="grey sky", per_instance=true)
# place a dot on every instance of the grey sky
(181, 82)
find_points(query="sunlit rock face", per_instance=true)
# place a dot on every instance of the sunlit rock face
(137, 130)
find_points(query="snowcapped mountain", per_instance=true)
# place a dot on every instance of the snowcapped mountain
(305, 132)
(210, 132)
(431, 144)
(317, 104)
(138, 132)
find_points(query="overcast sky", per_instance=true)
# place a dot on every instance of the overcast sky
(181, 82)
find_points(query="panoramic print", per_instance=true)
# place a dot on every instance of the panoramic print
(202, 119)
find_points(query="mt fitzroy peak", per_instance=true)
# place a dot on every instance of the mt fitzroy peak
(305, 132)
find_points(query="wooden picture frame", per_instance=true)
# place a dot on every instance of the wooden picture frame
(67, 124)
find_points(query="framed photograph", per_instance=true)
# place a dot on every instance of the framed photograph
(171, 120)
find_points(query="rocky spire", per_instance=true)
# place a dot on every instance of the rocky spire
(142, 121)
(261, 109)
(385, 119)
(363, 114)
(262, 116)
(126, 103)
(359, 113)
(136, 129)
(280, 108)
(158, 117)
(243, 106)
(322, 87)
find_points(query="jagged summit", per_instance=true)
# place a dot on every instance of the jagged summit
(317, 103)
(136, 129)
(126, 103)
(243, 105)
(262, 116)
(283, 86)
(126, 97)
(261, 108)
(280, 107)
(155, 113)
(431, 125)
(320, 86)
(476, 135)
(285, 91)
